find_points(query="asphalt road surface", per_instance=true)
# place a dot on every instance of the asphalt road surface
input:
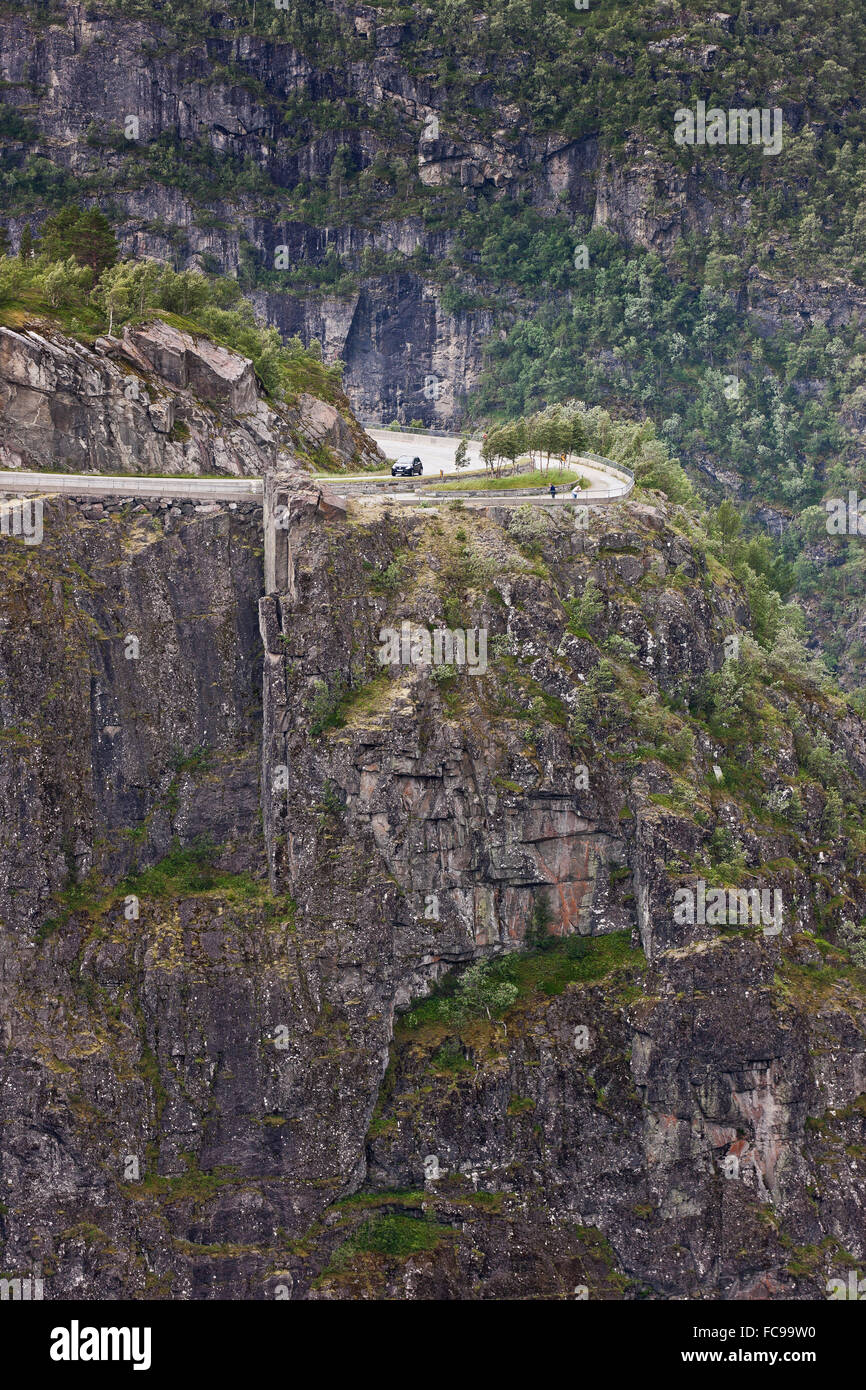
(437, 452)
(101, 484)
(434, 451)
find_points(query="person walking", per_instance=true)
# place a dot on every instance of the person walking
(553, 489)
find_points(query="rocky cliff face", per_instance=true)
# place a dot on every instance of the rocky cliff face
(227, 897)
(156, 400)
(407, 358)
(112, 93)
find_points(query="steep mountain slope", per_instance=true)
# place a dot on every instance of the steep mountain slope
(323, 976)
(477, 224)
(217, 135)
(234, 870)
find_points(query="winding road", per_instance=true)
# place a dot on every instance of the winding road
(436, 452)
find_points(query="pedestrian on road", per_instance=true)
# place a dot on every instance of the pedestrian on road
(553, 489)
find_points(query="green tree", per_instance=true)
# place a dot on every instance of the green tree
(85, 234)
(339, 174)
(498, 444)
(65, 282)
(853, 936)
(561, 435)
(128, 289)
(521, 437)
(185, 292)
(481, 992)
(832, 816)
(579, 436)
(728, 522)
(14, 275)
(511, 442)
(584, 608)
(542, 435)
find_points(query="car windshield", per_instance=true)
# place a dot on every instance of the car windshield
(406, 458)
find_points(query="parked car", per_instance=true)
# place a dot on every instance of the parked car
(406, 467)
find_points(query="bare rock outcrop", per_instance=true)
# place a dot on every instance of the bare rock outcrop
(153, 400)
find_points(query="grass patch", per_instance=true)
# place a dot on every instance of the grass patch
(812, 987)
(185, 872)
(450, 1060)
(392, 1237)
(332, 707)
(388, 579)
(188, 871)
(398, 1196)
(534, 974)
(515, 482)
(520, 1105)
(193, 1184)
(574, 960)
(506, 786)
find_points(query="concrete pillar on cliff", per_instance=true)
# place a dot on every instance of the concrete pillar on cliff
(293, 504)
(278, 491)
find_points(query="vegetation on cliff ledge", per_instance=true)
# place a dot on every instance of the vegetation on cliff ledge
(71, 276)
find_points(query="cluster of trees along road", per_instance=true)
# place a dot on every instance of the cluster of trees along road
(556, 432)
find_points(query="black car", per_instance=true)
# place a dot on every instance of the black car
(406, 467)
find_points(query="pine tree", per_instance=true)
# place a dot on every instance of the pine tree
(86, 235)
